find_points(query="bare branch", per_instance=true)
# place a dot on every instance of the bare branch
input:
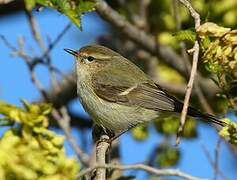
(196, 49)
(216, 168)
(101, 150)
(157, 172)
(64, 123)
(57, 39)
(216, 160)
(146, 41)
(203, 101)
(61, 116)
(34, 29)
(7, 43)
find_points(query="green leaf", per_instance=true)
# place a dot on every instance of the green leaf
(186, 35)
(85, 6)
(229, 132)
(212, 29)
(72, 9)
(167, 155)
(29, 4)
(140, 133)
(39, 150)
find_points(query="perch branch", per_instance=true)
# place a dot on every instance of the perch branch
(101, 150)
(157, 172)
(196, 49)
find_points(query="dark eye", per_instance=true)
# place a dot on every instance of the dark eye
(90, 58)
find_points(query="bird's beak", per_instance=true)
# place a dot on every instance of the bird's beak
(72, 52)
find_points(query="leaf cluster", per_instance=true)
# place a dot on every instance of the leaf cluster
(167, 155)
(219, 46)
(73, 9)
(28, 149)
(230, 131)
(219, 54)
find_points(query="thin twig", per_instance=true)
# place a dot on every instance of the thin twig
(34, 29)
(175, 4)
(212, 163)
(61, 117)
(157, 172)
(196, 49)
(216, 160)
(142, 21)
(197, 89)
(57, 39)
(7, 43)
(63, 121)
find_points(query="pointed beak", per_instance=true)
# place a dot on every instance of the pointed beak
(72, 52)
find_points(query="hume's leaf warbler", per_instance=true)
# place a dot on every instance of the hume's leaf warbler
(118, 95)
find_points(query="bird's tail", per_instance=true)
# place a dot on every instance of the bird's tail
(196, 113)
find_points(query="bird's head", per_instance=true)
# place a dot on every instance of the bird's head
(93, 56)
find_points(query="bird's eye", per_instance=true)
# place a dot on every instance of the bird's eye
(90, 58)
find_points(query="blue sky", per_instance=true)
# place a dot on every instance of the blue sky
(15, 84)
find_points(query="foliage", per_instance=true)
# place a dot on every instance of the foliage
(71, 8)
(186, 35)
(169, 126)
(219, 48)
(140, 133)
(220, 56)
(28, 149)
(230, 131)
(167, 155)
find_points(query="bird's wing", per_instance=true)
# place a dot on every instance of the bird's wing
(140, 91)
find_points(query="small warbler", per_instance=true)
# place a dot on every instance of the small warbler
(118, 95)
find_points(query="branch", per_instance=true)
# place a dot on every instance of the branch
(67, 90)
(149, 169)
(101, 150)
(146, 41)
(203, 101)
(196, 49)
(61, 116)
(214, 163)
(57, 39)
(63, 121)
(35, 30)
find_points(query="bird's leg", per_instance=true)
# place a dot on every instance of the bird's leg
(110, 140)
(115, 136)
(98, 131)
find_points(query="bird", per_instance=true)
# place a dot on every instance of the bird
(118, 95)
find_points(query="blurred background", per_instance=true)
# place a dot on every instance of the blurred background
(201, 149)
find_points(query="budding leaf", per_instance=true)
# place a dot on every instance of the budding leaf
(186, 35)
(230, 131)
(212, 29)
(72, 9)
